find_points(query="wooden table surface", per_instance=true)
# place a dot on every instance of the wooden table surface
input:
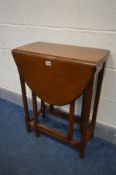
(85, 55)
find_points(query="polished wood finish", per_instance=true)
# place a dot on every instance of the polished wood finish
(63, 115)
(43, 108)
(84, 55)
(71, 121)
(59, 74)
(97, 97)
(25, 103)
(35, 113)
(86, 107)
(50, 78)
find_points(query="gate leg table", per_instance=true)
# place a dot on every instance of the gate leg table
(59, 74)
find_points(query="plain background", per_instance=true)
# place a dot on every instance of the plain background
(89, 23)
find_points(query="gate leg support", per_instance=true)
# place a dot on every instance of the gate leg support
(86, 107)
(71, 121)
(35, 114)
(25, 103)
(97, 97)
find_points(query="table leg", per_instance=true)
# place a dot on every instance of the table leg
(43, 108)
(86, 107)
(71, 121)
(51, 108)
(97, 97)
(25, 103)
(35, 114)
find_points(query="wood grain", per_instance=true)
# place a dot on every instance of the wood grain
(84, 55)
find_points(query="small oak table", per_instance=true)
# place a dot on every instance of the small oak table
(59, 74)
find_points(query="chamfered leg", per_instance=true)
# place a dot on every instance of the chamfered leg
(86, 107)
(25, 103)
(71, 121)
(43, 108)
(51, 108)
(35, 114)
(97, 97)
